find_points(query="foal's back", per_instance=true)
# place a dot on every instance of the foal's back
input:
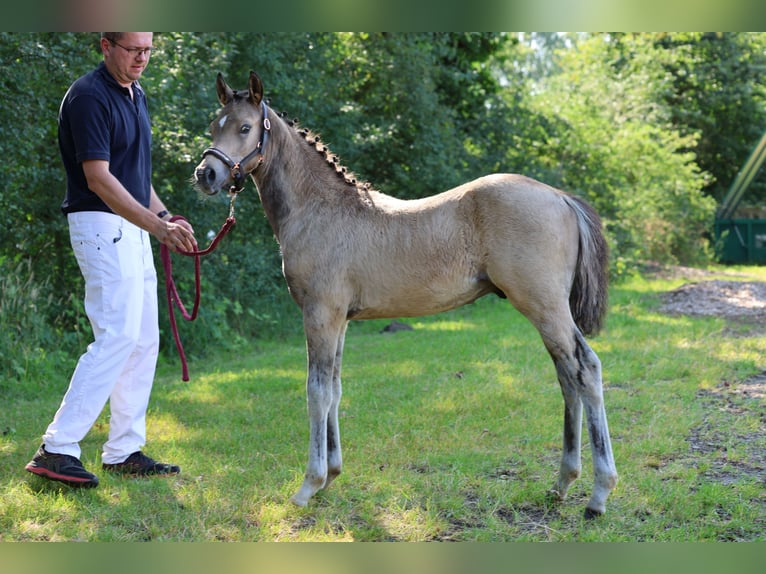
(415, 257)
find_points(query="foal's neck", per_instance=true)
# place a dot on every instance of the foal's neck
(300, 170)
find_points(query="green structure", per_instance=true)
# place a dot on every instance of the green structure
(741, 239)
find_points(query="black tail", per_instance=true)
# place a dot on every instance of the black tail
(588, 298)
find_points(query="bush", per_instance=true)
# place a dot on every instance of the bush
(611, 142)
(32, 351)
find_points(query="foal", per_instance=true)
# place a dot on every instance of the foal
(350, 252)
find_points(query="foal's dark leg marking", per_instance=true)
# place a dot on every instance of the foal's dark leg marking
(597, 440)
(331, 444)
(583, 358)
(334, 454)
(570, 436)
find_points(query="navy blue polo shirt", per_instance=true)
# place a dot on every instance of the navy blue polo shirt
(99, 121)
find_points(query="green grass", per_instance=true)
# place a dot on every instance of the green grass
(450, 432)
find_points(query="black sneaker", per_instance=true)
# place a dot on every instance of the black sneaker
(61, 467)
(138, 464)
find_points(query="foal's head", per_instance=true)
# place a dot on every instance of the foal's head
(239, 133)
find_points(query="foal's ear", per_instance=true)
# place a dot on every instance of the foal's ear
(255, 94)
(225, 93)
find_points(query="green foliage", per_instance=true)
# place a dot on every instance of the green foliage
(34, 346)
(35, 71)
(648, 127)
(612, 142)
(717, 88)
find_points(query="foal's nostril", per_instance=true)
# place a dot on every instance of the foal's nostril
(204, 175)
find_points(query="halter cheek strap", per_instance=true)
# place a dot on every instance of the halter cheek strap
(236, 168)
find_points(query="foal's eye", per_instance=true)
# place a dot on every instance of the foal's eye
(245, 129)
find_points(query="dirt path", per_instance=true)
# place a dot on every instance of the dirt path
(729, 299)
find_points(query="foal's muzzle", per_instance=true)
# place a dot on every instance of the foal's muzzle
(205, 178)
(236, 172)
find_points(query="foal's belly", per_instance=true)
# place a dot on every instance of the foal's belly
(418, 300)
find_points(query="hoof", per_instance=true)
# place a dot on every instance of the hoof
(331, 476)
(553, 496)
(308, 489)
(590, 514)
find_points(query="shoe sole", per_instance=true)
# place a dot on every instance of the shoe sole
(70, 480)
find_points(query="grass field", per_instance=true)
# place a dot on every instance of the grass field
(451, 431)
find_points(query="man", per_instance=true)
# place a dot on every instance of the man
(111, 208)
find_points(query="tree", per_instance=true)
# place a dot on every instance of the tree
(717, 89)
(35, 71)
(624, 120)
(612, 141)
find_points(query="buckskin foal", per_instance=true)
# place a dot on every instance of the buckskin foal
(350, 252)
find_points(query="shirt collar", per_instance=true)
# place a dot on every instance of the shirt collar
(110, 81)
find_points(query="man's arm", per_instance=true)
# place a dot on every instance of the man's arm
(156, 205)
(111, 191)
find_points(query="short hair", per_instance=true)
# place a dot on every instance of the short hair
(112, 36)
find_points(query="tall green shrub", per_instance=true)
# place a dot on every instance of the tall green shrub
(611, 141)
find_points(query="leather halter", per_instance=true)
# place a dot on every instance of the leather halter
(236, 168)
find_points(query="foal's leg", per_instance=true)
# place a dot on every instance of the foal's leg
(334, 458)
(571, 464)
(322, 336)
(579, 373)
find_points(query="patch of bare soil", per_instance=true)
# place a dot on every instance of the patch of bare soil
(751, 388)
(719, 298)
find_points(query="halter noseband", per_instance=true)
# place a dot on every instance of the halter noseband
(236, 168)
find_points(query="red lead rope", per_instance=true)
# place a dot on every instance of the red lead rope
(172, 292)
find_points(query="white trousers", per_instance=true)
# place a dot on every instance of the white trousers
(115, 258)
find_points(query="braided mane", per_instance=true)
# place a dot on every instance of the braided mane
(315, 142)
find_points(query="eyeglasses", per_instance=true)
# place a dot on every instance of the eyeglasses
(135, 52)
